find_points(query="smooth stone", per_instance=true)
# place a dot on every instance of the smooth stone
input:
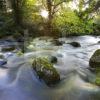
(75, 44)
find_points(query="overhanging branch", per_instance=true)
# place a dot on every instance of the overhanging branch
(56, 5)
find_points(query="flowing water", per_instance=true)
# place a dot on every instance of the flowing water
(19, 82)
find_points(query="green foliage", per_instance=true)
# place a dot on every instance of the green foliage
(63, 20)
(5, 23)
(7, 26)
(97, 20)
(69, 23)
(97, 25)
(31, 12)
(45, 70)
(2, 5)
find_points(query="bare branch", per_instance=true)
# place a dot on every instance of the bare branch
(44, 4)
(55, 6)
(97, 6)
(55, 11)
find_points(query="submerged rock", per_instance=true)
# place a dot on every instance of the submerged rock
(95, 59)
(75, 44)
(46, 71)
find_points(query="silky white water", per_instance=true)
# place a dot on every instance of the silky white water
(19, 82)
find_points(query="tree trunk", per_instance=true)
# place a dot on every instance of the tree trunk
(3, 5)
(17, 12)
(50, 17)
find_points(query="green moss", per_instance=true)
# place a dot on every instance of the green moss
(45, 70)
(97, 52)
(95, 63)
(44, 62)
(97, 81)
(95, 59)
(19, 53)
(97, 72)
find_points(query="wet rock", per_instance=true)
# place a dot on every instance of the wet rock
(3, 61)
(53, 59)
(46, 71)
(57, 42)
(20, 39)
(1, 56)
(75, 44)
(98, 41)
(95, 64)
(8, 48)
(95, 59)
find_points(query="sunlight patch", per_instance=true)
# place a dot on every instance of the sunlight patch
(44, 13)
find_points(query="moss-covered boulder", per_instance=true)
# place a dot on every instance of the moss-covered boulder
(46, 71)
(75, 44)
(95, 60)
(95, 64)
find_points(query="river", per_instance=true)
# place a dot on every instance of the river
(19, 82)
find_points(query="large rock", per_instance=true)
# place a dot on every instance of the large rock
(46, 71)
(75, 44)
(95, 59)
(95, 64)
